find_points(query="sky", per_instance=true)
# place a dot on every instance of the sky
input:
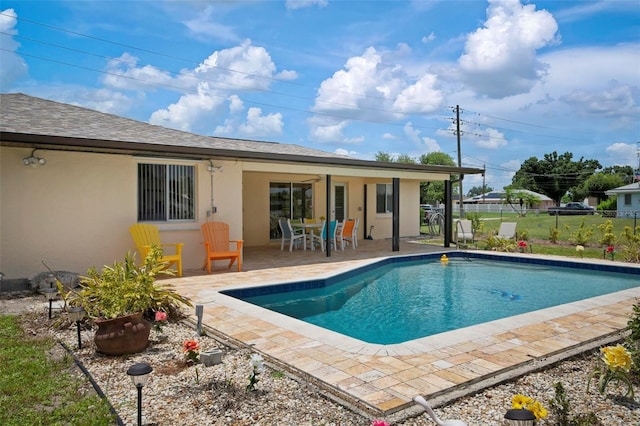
(350, 77)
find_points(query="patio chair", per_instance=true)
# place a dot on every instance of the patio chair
(355, 233)
(464, 232)
(218, 246)
(322, 237)
(289, 235)
(145, 235)
(507, 231)
(346, 233)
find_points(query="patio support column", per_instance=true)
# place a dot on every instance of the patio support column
(327, 242)
(448, 213)
(396, 215)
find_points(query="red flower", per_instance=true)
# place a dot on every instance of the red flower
(522, 244)
(161, 316)
(190, 345)
(610, 249)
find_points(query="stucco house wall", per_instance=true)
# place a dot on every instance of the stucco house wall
(74, 212)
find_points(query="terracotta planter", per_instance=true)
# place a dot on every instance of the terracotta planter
(123, 335)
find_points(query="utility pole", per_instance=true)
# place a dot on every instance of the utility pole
(459, 161)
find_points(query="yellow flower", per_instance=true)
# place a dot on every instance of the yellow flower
(538, 410)
(617, 357)
(520, 401)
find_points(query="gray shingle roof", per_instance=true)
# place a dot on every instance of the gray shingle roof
(44, 124)
(26, 114)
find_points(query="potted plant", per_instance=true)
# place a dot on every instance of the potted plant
(118, 297)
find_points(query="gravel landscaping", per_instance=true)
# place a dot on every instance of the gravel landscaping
(182, 393)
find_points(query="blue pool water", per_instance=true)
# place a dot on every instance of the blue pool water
(405, 300)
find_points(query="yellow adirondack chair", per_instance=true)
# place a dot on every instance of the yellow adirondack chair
(218, 246)
(145, 235)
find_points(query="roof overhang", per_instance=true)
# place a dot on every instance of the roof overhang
(328, 164)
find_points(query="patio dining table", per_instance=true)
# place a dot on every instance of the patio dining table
(311, 227)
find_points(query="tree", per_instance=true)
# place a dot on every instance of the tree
(523, 199)
(624, 172)
(434, 191)
(478, 190)
(384, 157)
(598, 183)
(405, 158)
(555, 175)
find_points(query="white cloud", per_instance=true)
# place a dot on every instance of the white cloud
(491, 139)
(500, 58)
(255, 125)
(13, 66)
(239, 68)
(123, 73)
(373, 87)
(203, 27)
(189, 110)
(618, 101)
(389, 136)
(258, 125)
(287, 75)
(217, 80)
(622, 154)
(425, 144)
(345, 152)
(429, 38)
(236, 105)
(300, 4)
(420, 97)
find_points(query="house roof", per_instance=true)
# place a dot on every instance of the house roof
(43, 124)
(626, 189)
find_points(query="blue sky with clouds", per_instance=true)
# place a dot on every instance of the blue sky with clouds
(354, 77)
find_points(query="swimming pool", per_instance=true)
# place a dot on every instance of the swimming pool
(407, 298)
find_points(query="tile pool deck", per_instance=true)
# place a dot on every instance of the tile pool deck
(381, 380)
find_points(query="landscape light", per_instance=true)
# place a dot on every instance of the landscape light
(139, 374)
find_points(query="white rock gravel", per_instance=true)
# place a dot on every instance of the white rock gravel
(182, 394)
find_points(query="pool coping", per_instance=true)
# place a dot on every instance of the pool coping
(380, 380)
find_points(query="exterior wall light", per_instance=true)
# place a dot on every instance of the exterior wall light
(34, 161)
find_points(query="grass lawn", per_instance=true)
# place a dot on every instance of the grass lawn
(38, 390)
(538, 228)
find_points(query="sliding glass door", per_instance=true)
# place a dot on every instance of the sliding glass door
(288, 200)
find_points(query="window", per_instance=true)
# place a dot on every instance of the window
(165, 192)
(384, 198)
(627, 199)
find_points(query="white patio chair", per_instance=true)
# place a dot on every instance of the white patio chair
(507, 231)
(464, 232)
(289, 235)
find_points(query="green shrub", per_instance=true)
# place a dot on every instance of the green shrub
(633, 339)
(554, 234)
(607, 236)
(582, 235)
(630, 247)
(125, 288)
(496, 243)
(561, 409)
(610, 203)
